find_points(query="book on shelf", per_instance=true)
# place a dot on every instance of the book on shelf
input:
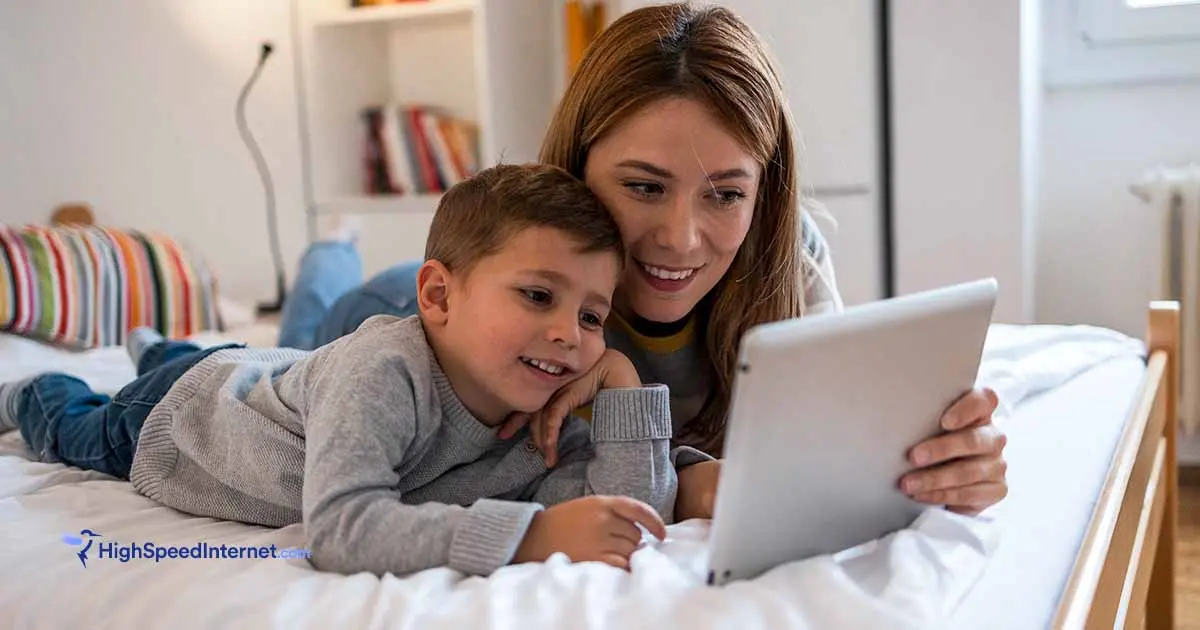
(354, 4)
(583, 22)
(417, 149)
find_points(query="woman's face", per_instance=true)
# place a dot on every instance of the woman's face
(683, 191)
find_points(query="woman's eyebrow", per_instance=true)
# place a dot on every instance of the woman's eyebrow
(658, 171)
(732, 173)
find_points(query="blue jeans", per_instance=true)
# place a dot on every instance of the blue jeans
(62, 419)
(329, 299)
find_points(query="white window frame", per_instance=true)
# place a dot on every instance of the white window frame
(1121, 41)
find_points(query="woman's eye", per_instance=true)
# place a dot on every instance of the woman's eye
(538, 296)
(729, 197)
(644, 189)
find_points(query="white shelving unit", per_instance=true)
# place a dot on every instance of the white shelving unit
(494, 62)
(409, 11)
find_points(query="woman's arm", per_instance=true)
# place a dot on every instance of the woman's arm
(820, 283)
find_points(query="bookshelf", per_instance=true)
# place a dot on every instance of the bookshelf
(496, 64)
(410, 12)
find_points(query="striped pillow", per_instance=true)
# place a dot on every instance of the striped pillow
(88, 286)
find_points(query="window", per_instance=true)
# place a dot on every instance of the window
(1147, 4)
(1121, 41)
(1145, 21)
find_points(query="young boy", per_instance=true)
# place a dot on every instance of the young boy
(385, 442)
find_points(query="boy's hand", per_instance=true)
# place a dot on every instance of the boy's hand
(595, 528)
(697, 493)
(613, 370)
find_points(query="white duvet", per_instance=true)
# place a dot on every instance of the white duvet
(911, 579)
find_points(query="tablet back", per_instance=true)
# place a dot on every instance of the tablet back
(824, 411)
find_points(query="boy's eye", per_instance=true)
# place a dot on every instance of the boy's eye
(591, 320)
(538, 296)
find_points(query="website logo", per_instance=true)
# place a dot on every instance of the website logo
(94, 550)
(85, 536)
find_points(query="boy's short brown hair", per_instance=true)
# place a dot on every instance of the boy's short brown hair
(477, 216)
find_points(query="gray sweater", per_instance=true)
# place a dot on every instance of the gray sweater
(365, 441)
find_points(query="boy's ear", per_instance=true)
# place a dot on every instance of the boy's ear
(433, 292)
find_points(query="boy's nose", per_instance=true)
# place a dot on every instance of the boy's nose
(564, 331)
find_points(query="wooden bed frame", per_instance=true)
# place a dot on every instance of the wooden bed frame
(1124, 574)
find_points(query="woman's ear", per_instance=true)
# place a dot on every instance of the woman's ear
(433, 292)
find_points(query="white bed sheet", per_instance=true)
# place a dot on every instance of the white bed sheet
(912, 579)
(1059, 449)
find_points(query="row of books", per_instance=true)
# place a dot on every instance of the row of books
(417, 149)
(354, 4)
(582, 23)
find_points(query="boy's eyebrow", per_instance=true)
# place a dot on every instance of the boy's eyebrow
(658, 171)
(555, 277)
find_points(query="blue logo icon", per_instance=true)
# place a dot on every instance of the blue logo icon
(75, 541)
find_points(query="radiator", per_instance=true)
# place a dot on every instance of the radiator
(1173, 194)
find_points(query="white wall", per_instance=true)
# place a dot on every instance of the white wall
(128, 105)
(1099, 246)
(963, 147)
(1108, 116)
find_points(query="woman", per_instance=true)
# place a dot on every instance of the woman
(676, 118)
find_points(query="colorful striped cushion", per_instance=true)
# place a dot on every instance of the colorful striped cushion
(87, 287)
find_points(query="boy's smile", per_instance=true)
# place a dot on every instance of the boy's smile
(522, 322)
(548, 369)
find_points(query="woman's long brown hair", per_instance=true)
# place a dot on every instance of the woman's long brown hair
(712, 56)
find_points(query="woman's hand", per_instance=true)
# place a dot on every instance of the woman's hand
(963, 469)
(697, 493)
(613, 370)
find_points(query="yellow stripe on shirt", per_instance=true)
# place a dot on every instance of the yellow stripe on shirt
(658, 345)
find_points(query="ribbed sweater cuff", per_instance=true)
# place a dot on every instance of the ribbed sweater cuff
(488, 535)
(632, 414)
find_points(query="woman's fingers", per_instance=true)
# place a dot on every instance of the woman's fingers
(956, 474)
(977, 440)
(974, 406)
(968, 500)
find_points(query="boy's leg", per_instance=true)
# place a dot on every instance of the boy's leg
(391, 292)
(62, 419)
(149, 350)
(328, 270)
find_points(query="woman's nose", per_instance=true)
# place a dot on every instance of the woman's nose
(677, 228)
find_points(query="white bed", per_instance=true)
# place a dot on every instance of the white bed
(1059, 448)
(1007, 568)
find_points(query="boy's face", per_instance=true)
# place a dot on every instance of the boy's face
(524, 322)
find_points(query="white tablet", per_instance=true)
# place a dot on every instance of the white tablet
(823, 414)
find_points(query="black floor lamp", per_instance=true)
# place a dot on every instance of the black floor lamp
(264, 175)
